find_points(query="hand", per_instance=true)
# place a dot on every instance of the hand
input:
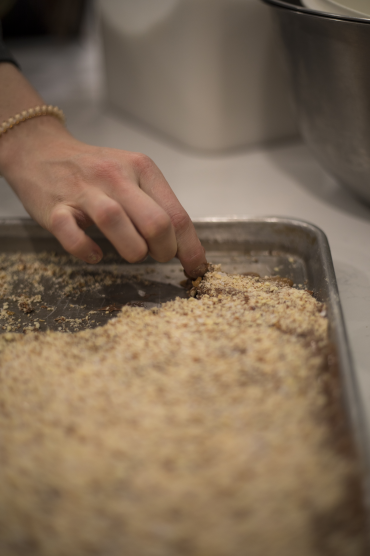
(66, 186)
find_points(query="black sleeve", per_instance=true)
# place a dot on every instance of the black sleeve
(5, 54)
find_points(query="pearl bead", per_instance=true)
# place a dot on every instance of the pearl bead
(32, 113)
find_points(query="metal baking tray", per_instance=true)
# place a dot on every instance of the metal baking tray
(288, 248)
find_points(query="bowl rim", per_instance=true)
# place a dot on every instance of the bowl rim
(285, 4)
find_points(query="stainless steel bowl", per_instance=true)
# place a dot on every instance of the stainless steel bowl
(329, 64)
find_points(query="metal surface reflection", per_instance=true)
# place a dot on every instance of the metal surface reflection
(328, 58)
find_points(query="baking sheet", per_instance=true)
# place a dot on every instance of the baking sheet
(268, 246)
(116, 283)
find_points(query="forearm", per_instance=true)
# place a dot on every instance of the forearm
(16, 95)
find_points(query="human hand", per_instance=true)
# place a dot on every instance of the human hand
(66, 186)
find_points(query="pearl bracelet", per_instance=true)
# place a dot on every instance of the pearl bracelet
(32, 113)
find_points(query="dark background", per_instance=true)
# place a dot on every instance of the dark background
(57, 18)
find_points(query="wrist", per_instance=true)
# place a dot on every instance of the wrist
(27, 138)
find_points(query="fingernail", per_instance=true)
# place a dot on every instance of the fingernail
(94, 258)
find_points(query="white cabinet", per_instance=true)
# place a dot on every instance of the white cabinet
(206, 73)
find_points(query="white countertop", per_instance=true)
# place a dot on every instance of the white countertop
(280, 180)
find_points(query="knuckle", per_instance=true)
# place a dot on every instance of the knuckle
(57, 220)
(157, 227)
(72, 242)
(181, 221)
(166, 256)
(76, 247)
(138, 255)
(108, 214)
(142, 162)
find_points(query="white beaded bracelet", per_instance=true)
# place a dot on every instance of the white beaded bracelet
(44, 110)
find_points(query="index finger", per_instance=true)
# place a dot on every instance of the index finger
(189, 249)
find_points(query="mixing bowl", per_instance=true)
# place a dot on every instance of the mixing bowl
(329, 65)
(353, 8)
